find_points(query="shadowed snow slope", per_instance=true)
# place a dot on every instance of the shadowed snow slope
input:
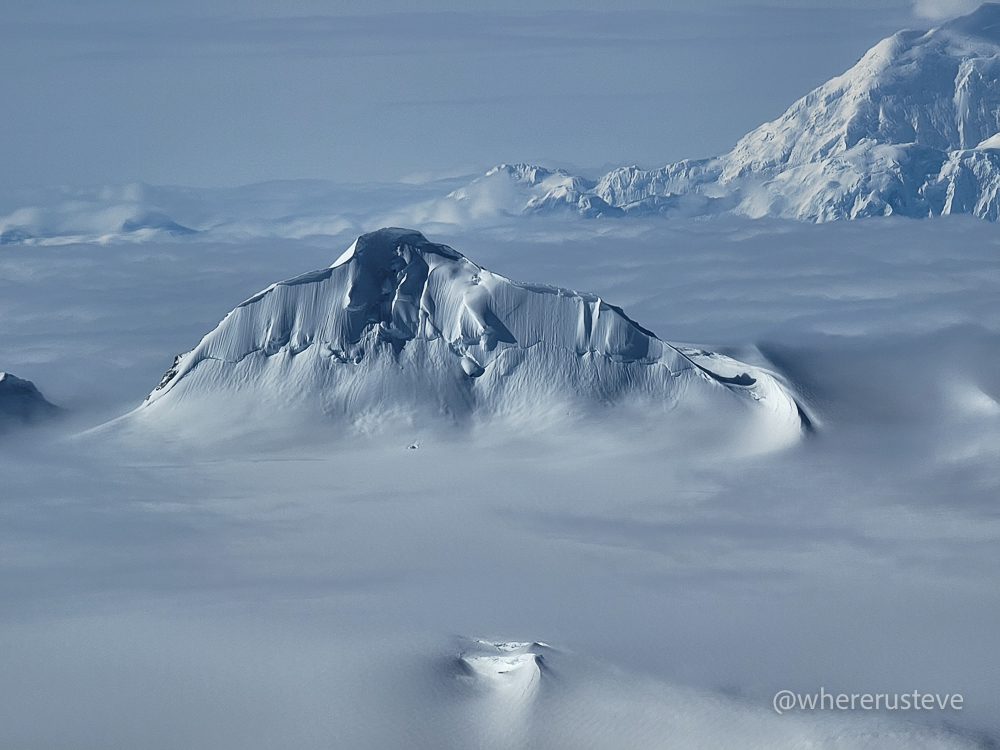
(912, 129)
(400, 327)
(21, 402)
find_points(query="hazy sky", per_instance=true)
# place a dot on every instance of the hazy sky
(220, 92)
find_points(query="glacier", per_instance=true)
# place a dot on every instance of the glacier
(400, 329)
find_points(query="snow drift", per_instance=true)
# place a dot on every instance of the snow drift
(399, 329)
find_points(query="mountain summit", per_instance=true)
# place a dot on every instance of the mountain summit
(400, 329)
(912, 129)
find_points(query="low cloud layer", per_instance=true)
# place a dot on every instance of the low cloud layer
(309, 589)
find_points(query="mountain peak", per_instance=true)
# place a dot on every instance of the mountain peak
(401, 328)
(381, 246)
(530, 174)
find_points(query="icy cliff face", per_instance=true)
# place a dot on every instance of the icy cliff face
(400, 329)
(912, 129)
(22, 403)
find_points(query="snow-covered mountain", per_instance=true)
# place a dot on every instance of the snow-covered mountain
(22, 403)
(400, 329)
(912, 129)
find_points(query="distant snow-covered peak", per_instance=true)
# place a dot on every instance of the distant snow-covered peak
(939, 89)
(531, 174)
(898, 133)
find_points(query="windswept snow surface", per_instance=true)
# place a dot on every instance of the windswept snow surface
(400, 329)
(306, 586)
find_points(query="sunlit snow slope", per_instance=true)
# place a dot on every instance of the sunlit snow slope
(401, 328)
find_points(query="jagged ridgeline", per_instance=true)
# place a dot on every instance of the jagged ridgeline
(403, 328)
(912, 129)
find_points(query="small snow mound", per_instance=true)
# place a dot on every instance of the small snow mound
(500, 686)
(511, 667)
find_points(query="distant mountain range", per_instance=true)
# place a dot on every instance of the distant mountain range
(913, 129)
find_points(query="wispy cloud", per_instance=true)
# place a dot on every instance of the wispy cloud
(939, 9)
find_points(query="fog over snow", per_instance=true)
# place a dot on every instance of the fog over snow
(306, 586)
(521, 471)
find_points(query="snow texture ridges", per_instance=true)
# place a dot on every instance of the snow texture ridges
(402, 326)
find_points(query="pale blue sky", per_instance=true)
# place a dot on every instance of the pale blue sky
(218, 92)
